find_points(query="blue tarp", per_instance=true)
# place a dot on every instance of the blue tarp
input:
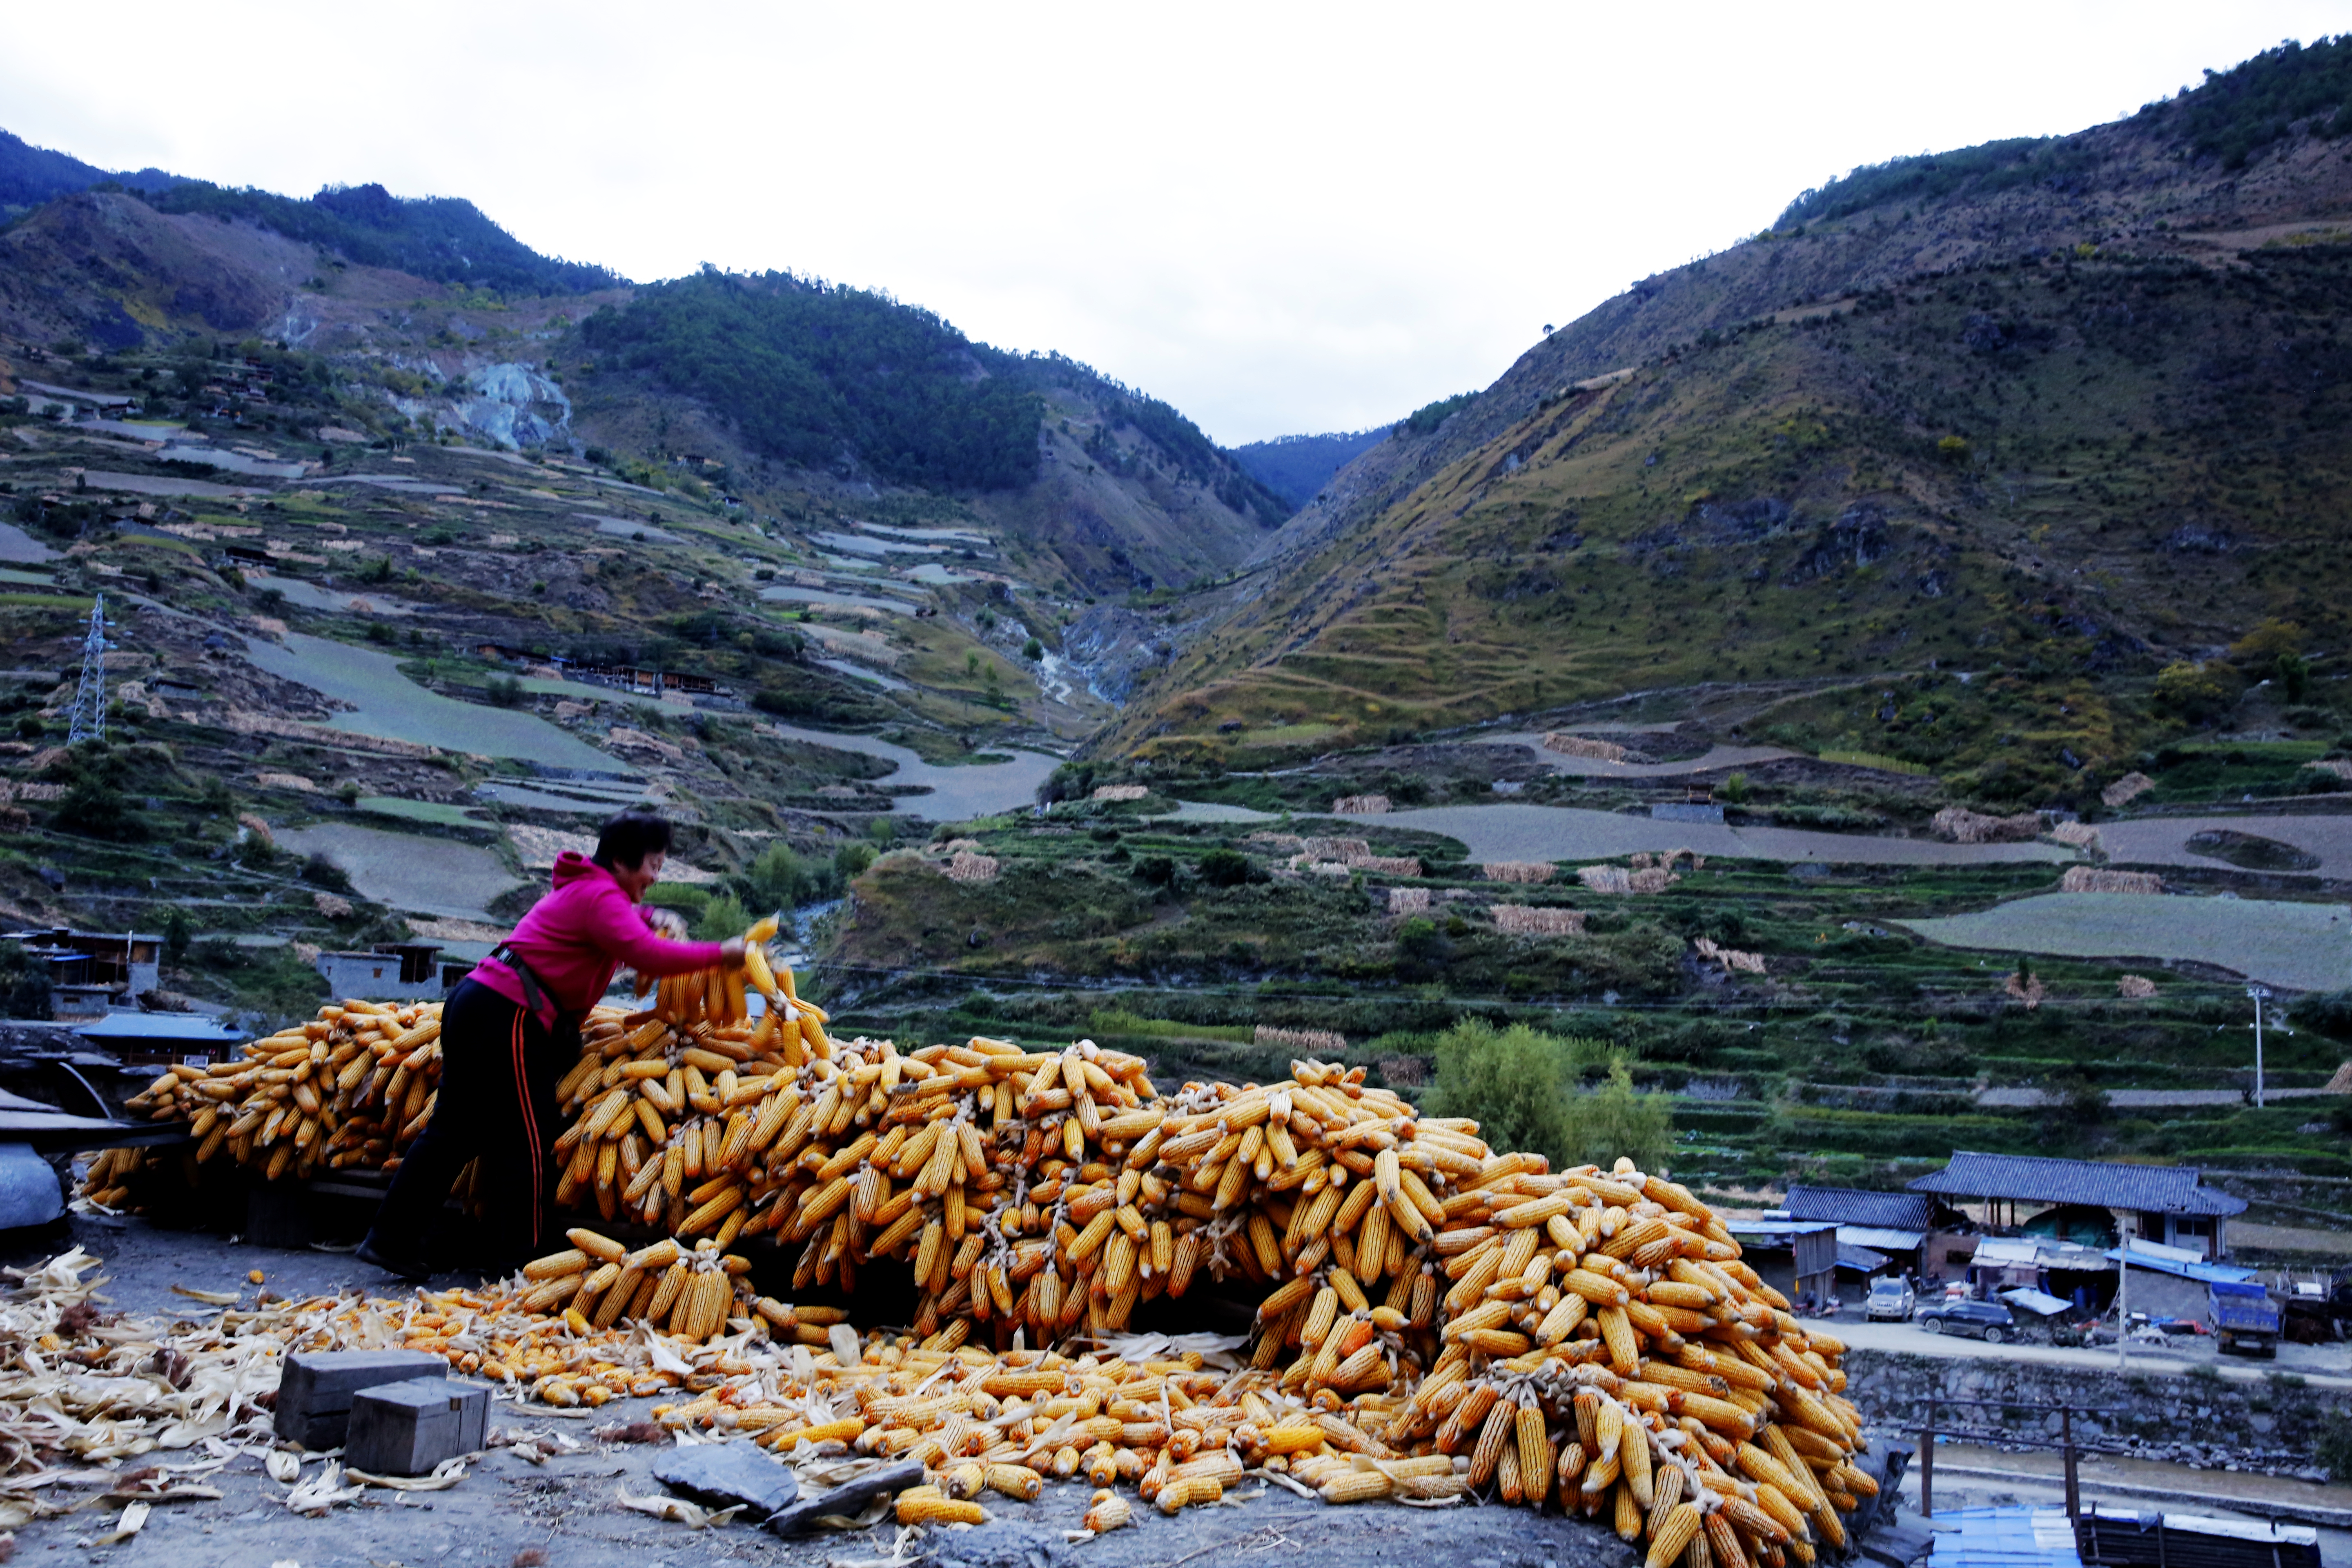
(2004, 1538)
(2209, 1272)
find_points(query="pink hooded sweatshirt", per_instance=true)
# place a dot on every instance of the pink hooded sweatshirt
(577, 936)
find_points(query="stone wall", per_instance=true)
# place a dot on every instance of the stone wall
(2269, 1424)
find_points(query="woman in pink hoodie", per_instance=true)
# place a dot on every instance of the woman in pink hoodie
(511, 1030)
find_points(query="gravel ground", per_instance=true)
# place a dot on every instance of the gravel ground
(566, 1507)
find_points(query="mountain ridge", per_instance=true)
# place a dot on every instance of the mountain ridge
(1891, 388)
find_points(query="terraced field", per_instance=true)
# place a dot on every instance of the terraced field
(2305, 946)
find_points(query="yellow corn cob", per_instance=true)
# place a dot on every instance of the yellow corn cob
(1680, 1528)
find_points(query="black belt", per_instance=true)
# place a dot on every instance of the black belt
(534, 990)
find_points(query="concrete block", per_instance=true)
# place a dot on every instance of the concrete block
(315, 1391)
(406, 1428)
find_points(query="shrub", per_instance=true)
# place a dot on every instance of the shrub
(504, 690)
(1613, 1122)
(721, 917)
(1225, 869)
(2195, 691)
(94, 808)
(322, 872)
(1157, 871)
(24, 986)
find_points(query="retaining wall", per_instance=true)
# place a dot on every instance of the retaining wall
(2271, 1423)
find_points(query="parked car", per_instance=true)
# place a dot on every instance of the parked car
(1890, 1296)
(1988, 1320)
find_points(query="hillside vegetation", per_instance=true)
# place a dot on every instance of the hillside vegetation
(1296, 467)
(2018, 506)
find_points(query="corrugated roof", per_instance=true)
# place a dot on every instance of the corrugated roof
(1861, 1260)
(1775, 1232)
(1877, 1237)
(2007, 1252)
(2158, 1189)
(158, 1027)
(1856, 1206)
(2180, 1268)
(2034, 1301)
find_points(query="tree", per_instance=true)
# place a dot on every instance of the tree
(1614, 1123)
(23, 984)
(2195, 691)
(1515, 1082)
(1521, 1087)
(176, 936)
(721, 917)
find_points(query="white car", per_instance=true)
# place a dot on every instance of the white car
(1890, 1298)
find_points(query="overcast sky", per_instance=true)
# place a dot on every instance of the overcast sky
(1280, 219)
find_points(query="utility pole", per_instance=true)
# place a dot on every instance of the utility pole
(89, 697)
(2123, 1295)
(2258, 993)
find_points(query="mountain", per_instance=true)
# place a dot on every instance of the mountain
(806, 396)
(444, 238)
(2071, 415)
(1296, 467)
(30, 175)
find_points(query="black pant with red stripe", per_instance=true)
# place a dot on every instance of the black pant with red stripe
(499, 1067)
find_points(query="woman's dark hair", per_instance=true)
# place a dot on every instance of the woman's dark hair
(629, 837)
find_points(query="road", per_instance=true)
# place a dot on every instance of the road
(2325, 1366)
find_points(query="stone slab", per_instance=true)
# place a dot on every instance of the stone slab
(723, 1475)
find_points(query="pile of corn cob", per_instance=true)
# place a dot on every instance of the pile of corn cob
(689, 1292)
(352, 1087)
(1435, 1319)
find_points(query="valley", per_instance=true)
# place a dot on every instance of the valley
(1882, 686)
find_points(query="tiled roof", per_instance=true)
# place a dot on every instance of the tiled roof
(1853, 1205)
(2158, 1189)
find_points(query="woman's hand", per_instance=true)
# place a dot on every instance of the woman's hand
(731, 950)
(669, 922)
